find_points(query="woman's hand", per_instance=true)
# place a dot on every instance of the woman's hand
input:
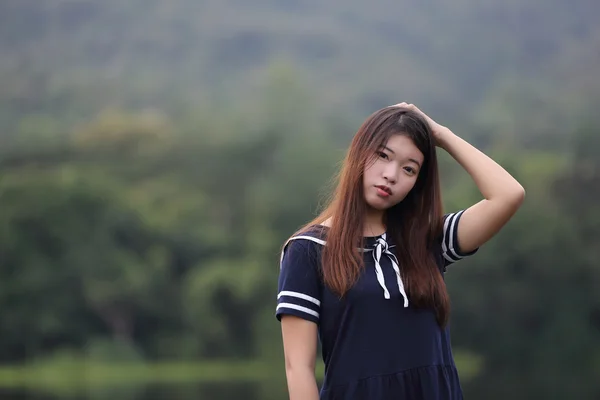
(439, 132)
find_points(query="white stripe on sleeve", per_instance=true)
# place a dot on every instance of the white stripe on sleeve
(297, 307)
(299, 296)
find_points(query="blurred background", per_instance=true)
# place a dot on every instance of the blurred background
(154, 155)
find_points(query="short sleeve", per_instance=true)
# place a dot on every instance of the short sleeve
(299, 285)
(451, 251)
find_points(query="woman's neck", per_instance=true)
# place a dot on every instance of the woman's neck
(373, 224)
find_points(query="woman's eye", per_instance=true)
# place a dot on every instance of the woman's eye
(410, 170)
(382, 154)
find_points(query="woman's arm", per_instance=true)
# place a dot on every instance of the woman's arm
(300, 349)
(503, 195)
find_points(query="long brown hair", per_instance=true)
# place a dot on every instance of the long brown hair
(414, 224)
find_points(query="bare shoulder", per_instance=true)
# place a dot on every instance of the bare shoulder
(327, 222)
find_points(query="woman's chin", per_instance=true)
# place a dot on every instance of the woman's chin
(378, 204)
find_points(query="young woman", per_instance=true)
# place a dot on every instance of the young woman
(367, 275)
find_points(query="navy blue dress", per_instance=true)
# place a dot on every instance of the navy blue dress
(375, 344)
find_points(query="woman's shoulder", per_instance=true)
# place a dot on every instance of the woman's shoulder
(304, 246)
(315, 234)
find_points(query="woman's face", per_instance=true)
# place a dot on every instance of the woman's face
(393, 173)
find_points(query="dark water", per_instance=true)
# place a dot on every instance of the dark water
(216, 391)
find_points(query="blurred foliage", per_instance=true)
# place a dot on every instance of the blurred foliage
(512, 62)
(155, 155)
(133, 234)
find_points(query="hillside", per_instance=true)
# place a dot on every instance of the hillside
(69, 58)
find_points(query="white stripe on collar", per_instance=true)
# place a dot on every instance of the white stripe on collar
(381, 247)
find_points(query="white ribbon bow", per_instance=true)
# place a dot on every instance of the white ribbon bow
(381, 247)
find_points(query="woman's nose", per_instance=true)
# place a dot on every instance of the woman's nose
(390, 173)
